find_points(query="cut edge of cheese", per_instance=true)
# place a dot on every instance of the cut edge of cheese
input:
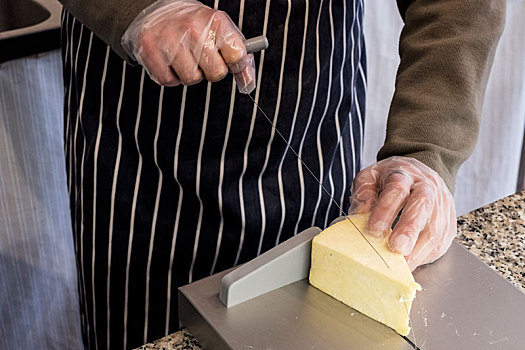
(346, 267)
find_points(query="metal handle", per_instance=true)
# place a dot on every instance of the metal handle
(256, 44)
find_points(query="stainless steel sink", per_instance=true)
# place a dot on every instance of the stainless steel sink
(28, 27)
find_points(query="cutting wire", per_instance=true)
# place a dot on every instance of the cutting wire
(289, 146)
(316, 178)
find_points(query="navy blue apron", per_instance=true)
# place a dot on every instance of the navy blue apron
(170, 185)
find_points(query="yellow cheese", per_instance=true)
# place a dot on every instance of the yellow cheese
(347, 268)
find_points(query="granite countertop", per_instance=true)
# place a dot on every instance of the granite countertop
(495, 233)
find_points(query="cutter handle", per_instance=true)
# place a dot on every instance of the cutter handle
(256, 44)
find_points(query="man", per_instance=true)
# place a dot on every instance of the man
(170, 183)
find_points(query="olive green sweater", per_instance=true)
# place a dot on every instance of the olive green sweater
(446, 50)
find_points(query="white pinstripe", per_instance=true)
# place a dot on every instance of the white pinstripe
(67, 150)
(319, 127)
(297, 104)
(358, 110)
(274, 122)
(67, 88)
(113, 195)
(67, 91)
(133, 209)
(79, 121)
(359, 65)
(359, 117)
(337, 123)
(73, 66)
(332, 189)
(221, 178)
(223, 156)
(352, 95)
(179, 206)
(197, 183)
(67, 142)
(252, 124)
(338, 133)
(72, 174)
(70, 139)
(362, 73)
(155, 213)
(95, 160)
(73, 155)
(363, 77)
(314, 100)
(79, 40)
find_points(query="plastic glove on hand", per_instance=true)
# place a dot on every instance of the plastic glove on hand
(184, 41)
(427, 224)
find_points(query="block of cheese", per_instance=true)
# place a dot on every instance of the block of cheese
(347, 268)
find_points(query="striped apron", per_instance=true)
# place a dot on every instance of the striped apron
(170, 185)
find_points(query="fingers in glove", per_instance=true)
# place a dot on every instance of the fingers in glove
(364, 192)
(413, 219)
(160, 72)
(200, 39)
(422, 249)
(186, 35)
(232, 49)
(229, 39)
(245, 78)
(212, 64)
(186, 67)
(156, 65)
(446, 231)
(395, 189)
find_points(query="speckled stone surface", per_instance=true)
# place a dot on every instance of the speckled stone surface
(495, 233)
(182, 340)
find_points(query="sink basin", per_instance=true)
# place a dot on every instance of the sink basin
(23, 14)
(28, 27)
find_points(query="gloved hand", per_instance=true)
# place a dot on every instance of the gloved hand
(427, 224)
(183, 41)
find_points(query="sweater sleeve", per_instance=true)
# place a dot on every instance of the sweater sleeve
(108, 19)
(446, 49)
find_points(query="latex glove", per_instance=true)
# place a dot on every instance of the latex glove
(184, 41)
(427, 224)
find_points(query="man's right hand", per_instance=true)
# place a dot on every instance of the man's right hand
(184, 41)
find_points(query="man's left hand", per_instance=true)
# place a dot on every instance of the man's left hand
(427, 224)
